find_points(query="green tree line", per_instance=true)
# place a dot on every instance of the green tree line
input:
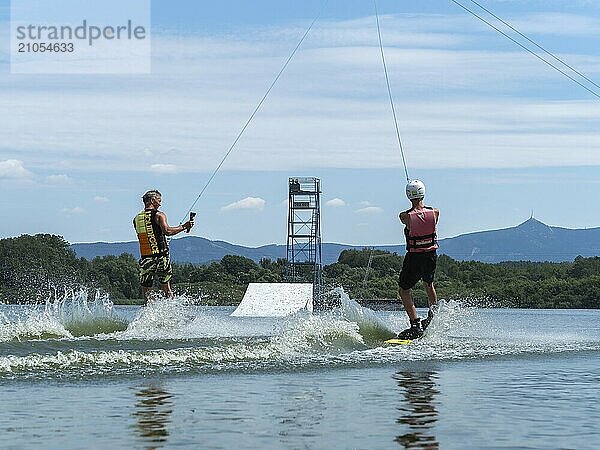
(32, 266)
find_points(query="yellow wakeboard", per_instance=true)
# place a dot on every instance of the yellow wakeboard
(398, 341)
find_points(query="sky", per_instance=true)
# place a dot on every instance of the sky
(496, 135)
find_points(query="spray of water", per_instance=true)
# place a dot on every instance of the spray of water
(66, 313)
(174, 336)
(162, 318)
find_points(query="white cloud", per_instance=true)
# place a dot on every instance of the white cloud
(59, 179)
(101, 199)
(457, 104)
(248, 203)
(557, 24)
(164, 168)
(75, 210)
(13, 169)
(369, 210)
(335, 202)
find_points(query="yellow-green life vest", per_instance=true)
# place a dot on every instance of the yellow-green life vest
(150, 234)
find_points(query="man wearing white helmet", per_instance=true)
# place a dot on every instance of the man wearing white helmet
(420, 261)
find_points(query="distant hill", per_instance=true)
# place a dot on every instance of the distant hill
(530, 241)
(199, 250)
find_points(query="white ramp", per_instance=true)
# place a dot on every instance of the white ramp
(275, 299)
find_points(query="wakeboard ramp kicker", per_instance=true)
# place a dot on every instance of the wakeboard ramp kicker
(275, 299)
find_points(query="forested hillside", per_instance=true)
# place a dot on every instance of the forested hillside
(531, 240)
(32, 267)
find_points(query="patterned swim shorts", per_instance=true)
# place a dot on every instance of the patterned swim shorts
(159, 266)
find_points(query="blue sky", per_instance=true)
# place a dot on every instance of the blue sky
(494, 133)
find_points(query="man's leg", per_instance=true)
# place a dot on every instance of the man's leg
(409, 305)
(432, 299)
(147, 269)
(407, 279)
(431, 294)
(146, 292)
(430, 263)
(165, 271)
(166, 288)
(415, 331)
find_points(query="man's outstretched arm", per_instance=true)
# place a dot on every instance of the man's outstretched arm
(169, 230)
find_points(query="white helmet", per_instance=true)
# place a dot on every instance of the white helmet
(415, 189)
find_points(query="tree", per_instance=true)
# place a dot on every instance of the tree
(116, 275)
(235, 265)
(31, 266)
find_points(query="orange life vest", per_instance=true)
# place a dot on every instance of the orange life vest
(150, 234)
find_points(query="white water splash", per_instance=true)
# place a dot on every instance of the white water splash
(85, 314)
(450, 317)
(162, 318)
(371, 327)
(67, 313)
(124, 360)
(305, 333)
(331, 339)
(32, 325)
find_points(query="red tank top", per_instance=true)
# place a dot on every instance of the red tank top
(421, 234)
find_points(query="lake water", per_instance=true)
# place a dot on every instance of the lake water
(82, 374)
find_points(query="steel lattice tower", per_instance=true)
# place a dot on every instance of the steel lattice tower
(304, 232)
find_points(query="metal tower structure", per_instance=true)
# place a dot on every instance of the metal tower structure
(304, 232)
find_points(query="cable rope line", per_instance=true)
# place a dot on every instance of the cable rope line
(524, 36)
(545, 61)
(389, 90)
(262, 100)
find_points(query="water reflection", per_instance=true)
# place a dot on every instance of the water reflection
(418, 412)
(153, 410)
(302, 411)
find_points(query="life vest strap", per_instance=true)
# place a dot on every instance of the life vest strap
(424, 241)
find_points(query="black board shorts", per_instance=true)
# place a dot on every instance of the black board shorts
(417, 266)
